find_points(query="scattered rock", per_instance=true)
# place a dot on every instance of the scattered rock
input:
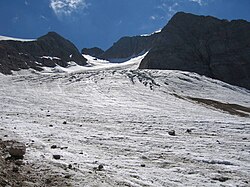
(67, 176)
(244, 138)
(64, 148)
(100, 167)
(57, 157)
(221, 178)
(189, 130)
(17, 150)
(50, 125)
(5, 135)
(53, 147)
(48, 181)
(65, 122)
(143, 165)
(19, 162)
(171, 132)
(15, 169)
(48, 115)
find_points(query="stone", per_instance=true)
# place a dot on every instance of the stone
(221, 178)
(19, 162)
(171, 132)
(67, 176)
(15, 169)
(143, 165)
(53, 147)
(17, 150)
(100, 167)
(57, 157)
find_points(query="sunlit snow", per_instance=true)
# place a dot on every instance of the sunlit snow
(120, 116)
(15, 39)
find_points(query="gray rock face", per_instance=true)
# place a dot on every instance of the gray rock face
(128, 47)
(95, 51)
(206, 45)
(16, 55)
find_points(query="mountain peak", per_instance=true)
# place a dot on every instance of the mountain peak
(52, 35)
(205, 45)
(49, 50)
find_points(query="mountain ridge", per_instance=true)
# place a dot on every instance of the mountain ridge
(47, 51)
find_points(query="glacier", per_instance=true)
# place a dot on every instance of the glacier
(119, 117)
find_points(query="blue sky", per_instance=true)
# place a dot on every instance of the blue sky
(89, 23)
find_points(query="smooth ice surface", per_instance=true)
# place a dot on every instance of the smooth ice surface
(119, 116)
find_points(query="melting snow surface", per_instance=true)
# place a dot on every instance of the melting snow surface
(158, 31)
(94, 64)
(15, 39)
(119, 117)
(51, 58)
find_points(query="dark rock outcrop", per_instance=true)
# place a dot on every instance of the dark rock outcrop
(206, 45)
(48, 50)
(95, 51)
(128, 47)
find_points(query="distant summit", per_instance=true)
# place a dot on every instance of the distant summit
(47, 51)
(206, 45)
(95, 51)
(125, 48)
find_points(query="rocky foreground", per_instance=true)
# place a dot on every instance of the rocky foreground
(16, 171)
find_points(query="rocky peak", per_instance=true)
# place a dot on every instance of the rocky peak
(206, 45)
(49, 50)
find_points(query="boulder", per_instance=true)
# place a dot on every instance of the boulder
(17, 150)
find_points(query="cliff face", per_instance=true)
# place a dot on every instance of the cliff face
(128, 47)
(216, 48)
(48, 50)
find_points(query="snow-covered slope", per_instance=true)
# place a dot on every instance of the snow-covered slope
(118, 116)
(94, 64)
(15, 39)
(158, 31)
